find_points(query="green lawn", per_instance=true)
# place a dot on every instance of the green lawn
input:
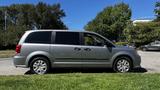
(82, 81)
(7, 53)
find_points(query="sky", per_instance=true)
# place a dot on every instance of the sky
(80, 12)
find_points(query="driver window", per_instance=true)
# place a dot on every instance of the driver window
(93, 40)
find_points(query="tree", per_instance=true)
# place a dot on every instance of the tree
(42, 16)
(48, 17)
(22, 17)
(111, 21)
(142, 33)
(157, 11)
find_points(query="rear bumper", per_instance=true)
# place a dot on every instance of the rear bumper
(19, 61)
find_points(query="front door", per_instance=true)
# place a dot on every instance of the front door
(94, 50)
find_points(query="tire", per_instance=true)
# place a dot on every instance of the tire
(122, 64)
(39, 65)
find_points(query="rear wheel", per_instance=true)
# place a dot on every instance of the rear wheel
(39, 65)
(122, 64)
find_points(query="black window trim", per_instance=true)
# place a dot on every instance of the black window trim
(82, 36)
(54, 38)
(38, 43)
(90, 34)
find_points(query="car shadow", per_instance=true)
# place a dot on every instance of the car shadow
(152, 51)
(86, 70)
(139, 70)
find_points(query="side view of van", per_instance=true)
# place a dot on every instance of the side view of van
(41, 50)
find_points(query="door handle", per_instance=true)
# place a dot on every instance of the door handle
(87, 49)
(77, 49)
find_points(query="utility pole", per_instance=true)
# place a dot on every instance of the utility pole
(5, 19)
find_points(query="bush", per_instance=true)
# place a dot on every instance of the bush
(122, 43)
(142, 33)
(10, 38)
(22, 17)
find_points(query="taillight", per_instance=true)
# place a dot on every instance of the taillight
(18, 48)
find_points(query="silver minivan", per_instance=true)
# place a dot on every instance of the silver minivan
(41, 50)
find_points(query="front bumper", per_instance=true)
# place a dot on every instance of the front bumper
(137, 62)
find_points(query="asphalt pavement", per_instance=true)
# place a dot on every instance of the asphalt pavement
(7, 67)
(150, 64)
(150, 61)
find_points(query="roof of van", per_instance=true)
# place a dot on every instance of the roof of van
(58, 30)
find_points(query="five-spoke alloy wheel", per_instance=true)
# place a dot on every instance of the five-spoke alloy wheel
(122, 64)
(39, 65)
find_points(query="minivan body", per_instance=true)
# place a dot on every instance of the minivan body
(65, 48)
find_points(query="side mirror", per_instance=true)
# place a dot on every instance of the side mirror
(109, 44)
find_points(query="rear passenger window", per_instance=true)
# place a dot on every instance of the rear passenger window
(69, 38)
(39, 37)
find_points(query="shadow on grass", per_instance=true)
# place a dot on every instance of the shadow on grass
(87, 70)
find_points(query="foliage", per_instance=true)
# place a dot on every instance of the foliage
(142, 33)
(22, 17)
(157, 11)
(122, 43)
(111, 21)
(7, 53)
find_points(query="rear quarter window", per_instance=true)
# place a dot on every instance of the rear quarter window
(39, 37)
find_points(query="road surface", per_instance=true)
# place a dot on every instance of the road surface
(150, 63)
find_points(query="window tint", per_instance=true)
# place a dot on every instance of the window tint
(93, 40)
(70, 38)
(39, 37)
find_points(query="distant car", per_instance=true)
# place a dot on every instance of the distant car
(44, 49)
(153, 46)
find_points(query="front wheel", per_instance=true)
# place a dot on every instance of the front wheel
(122, 65)
(39, 65)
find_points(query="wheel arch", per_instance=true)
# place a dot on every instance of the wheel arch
(38, 54)
(122, 55)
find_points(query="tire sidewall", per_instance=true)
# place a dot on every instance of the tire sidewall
(120, 58)
(39, 58)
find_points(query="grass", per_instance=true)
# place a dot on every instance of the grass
(7, 53)
(82, 81)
